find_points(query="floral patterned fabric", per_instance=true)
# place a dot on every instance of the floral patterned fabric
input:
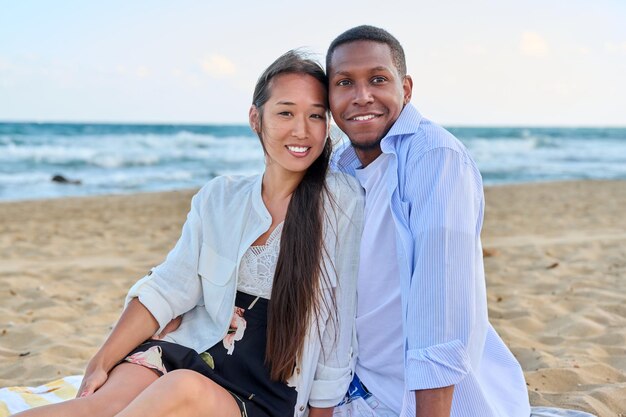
(236, 363)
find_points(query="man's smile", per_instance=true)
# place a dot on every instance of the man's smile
(364, 117)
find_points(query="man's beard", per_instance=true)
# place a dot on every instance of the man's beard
(375, 144)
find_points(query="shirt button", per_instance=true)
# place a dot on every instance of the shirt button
(301, 408)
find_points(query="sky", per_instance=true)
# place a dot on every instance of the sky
(473, 62)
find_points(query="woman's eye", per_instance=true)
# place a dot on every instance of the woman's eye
(285, 113)
(318, 116)
(343, 82)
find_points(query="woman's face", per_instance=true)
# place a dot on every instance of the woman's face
(295, 122)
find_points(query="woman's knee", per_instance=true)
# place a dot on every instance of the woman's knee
(186, 385)
(197, 395)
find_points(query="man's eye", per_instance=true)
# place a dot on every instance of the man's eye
(378, 80)
(344, 82)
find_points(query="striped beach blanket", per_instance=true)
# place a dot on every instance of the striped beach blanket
(15, 399)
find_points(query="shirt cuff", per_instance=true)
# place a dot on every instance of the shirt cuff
(330, 386)
(436, 366)
(153, 301)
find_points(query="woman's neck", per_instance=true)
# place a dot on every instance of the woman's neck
(276, 192)
(279, 186)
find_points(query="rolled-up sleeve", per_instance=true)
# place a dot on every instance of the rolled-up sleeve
(338, 357)
(173, 287)
(447, 285)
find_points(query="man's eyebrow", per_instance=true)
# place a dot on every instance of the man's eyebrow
(344, 73)
(375, 69)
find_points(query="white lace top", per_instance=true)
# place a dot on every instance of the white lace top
(256, 271)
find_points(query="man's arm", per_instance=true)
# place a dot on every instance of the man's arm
(435, 402)
(444, 310)
(321, 412)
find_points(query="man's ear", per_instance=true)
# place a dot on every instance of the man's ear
(407, 87)
(253, 116)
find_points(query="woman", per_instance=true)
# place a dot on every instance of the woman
(264, 276)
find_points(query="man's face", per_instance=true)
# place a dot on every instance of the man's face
(366, 94)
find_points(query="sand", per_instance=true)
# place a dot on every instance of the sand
(555, 263)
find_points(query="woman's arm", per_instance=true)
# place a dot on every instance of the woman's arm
(134, 326)
(170, 290)
(335, 367)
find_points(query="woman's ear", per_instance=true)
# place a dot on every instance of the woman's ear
(253, 116)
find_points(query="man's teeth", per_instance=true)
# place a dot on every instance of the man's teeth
(299, 149)
(366, 117)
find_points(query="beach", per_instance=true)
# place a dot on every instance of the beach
(555, 261)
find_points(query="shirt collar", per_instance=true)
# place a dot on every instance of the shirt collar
(405, 124)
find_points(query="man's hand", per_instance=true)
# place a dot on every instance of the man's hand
(434, 402)
(170, 327)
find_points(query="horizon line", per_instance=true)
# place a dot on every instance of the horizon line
(189, 123)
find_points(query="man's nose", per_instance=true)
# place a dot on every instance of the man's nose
(363, 94)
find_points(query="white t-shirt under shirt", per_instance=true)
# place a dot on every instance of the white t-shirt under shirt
(380, 363)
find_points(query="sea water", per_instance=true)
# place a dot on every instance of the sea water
(129, 158)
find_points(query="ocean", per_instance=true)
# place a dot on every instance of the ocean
(130, 158)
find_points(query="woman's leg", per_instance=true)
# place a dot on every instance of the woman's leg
(183, 393)
(126, 381)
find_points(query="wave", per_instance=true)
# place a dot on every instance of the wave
(130, 158)
(128, 151)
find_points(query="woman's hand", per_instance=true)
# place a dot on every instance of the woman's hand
(134, 327)
(95, 377)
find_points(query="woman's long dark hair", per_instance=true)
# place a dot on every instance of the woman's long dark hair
(299, 270)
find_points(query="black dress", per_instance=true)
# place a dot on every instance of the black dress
(236, 363)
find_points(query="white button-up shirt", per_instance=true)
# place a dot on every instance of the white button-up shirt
(436, 199)
(199, 279)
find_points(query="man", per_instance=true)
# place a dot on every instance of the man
(426, 347)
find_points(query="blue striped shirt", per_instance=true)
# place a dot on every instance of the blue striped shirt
(437, 207)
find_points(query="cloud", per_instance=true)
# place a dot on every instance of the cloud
(615, 48)
(533, 45)
(583, 50)
(142, 72)
(218, 66)
(475, 50)
(4, 65)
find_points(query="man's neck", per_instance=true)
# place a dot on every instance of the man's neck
(368, 156)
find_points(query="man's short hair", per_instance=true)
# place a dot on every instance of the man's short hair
(374, 34)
